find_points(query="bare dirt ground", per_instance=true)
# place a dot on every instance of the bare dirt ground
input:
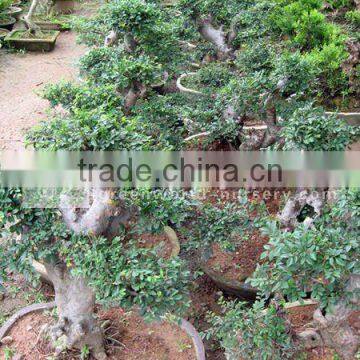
(22, 76)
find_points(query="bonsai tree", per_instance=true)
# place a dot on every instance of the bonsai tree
(257, 332)
(140, 48)
(86, 258)
(29, 17)
(320, 260)
(129, 100)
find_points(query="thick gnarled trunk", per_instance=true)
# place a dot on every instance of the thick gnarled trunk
(335, 330)
(75, 301)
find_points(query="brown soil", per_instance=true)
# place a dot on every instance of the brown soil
(301, 316)
(240, 264)
(19, 293)
(24, 75)
(354, 320)
(136, 340)
(320, 354)
(159, 241)
(204, 298)
(26, 339)
(127, 337)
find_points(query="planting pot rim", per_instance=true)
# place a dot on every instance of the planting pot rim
(352, 118)
(195, 337)
(21, 313)
(34, 40)
(13, 10)
(305, 302)
(11, 20)
(184, 89)
(236, 287)
(5, 31)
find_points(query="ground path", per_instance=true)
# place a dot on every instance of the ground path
(22, 76)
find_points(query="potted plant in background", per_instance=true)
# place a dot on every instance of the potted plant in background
(6, 21)
(33, 38)
(14, 11)
(3, 34)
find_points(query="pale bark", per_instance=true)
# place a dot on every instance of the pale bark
(295, 204)
(102, 217)
(111, 38)
(75, 301)
(93, 220)
(216, 36)
(28, 18)
(132, 95)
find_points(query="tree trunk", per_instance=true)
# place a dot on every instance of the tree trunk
(77, 326)
(102, 211)
(28, 18)
(294, 205)
(216, 36)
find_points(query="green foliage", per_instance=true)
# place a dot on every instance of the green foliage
(223, 224)
(328, 60)
(222, 12)
(4, 4)
(251, 333)
(214, 75)
(41, 232)
(88, 131)
(155, 32)
(162, 117)
(354, 17)
(158, 208)
(311, 129)
(338, 4)
(125, 275)
(303, 22)
(106, 65)
(83, 97)
(121, 273)
(255, 56)
(318, 259)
